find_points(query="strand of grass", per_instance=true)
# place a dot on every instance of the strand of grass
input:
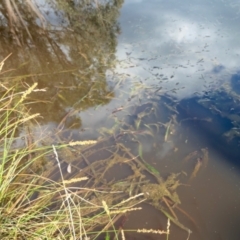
(105, 206)
(123, 235)
(70, 221)
(74, 180)
(81, 189)
(131, 198)
(10, 79)
(86, 201)
(168, 228)
(152, 231)
(92, 219)
(8, 174)
(30, 227)
(111, 223)
(175, 221)
(3, 61)
(142, 165)
(4, 104)
(81, 225)
(57, 215)
(160, 232)
(55, 223)
(156, 231)
(187, 215)
(44, 179)
(125, 210)
(97, 218)
(5, 145)
(25, 195)
(21, 199)
(10, 128)
(12, 168)
(66, 192)
(14, 164)
(129, 208)
(96, 215)
(79, 219)
(40, 152)
(9, 97)
(170, 208)
(13, 126)
(29, 211)
(23, 94)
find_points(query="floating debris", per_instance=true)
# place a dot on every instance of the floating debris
(196, 168)
(190, 156)
(205, 157)
(167, 131)
(69, 168)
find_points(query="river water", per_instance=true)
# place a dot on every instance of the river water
(184, 54)
(192, 47)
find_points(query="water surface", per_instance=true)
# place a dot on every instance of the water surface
(99, 72)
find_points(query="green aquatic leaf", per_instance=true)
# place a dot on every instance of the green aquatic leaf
(137, 123)
(140, 151)
(167, 131)
(147, 165)
(151, 168)
(107, 237)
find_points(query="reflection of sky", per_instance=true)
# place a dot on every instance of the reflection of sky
(187, 46)
(193, 44)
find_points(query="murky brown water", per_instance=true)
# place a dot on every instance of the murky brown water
(95, 71)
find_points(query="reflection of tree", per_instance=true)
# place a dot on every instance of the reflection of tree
(69, 59)
(17, 14)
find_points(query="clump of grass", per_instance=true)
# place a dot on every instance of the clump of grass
(82, 203)
(33, 206)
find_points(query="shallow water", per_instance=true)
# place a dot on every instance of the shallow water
(182, 54)
(192, 48)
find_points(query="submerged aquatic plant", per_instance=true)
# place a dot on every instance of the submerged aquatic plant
(71, 196)
(32, 204)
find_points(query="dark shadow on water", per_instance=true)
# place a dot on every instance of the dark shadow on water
(209, 128)
(235, 82)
